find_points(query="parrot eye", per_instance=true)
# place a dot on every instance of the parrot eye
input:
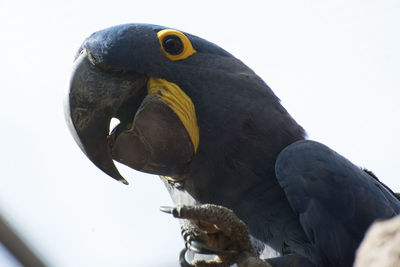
(172, 44)
(175, 45)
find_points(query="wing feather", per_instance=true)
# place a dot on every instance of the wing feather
(336, 201)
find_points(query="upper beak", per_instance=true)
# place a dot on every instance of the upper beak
(94, 97)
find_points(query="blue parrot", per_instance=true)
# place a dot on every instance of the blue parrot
(215, 132)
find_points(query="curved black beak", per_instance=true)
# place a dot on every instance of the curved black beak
(94, 97)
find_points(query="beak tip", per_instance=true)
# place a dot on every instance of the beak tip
(122, 180)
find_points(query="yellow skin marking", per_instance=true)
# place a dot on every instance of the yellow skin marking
(179, 102)
(188, 49)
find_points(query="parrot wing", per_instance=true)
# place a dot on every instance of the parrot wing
(335, 200)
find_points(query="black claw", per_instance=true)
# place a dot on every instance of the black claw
(186, 236)
(182, 259)
(201, 248)
(167, 209)
(171, 210)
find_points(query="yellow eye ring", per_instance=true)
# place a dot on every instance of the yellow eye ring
(175, 45)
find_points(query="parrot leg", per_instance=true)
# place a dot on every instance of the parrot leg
(212, 229)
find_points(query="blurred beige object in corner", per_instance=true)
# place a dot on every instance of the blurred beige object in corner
(381, 245)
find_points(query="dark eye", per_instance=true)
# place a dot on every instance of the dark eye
(172, 44)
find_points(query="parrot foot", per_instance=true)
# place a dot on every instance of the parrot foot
(194, 236)
(216, 230)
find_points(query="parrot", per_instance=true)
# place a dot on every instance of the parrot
(213, 130)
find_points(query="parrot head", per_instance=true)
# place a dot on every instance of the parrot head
(176, 96)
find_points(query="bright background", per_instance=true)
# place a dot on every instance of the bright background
(334, 64)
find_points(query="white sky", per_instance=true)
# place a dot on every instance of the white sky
(334, 64)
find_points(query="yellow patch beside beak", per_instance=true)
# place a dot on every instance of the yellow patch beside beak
(179, 102)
